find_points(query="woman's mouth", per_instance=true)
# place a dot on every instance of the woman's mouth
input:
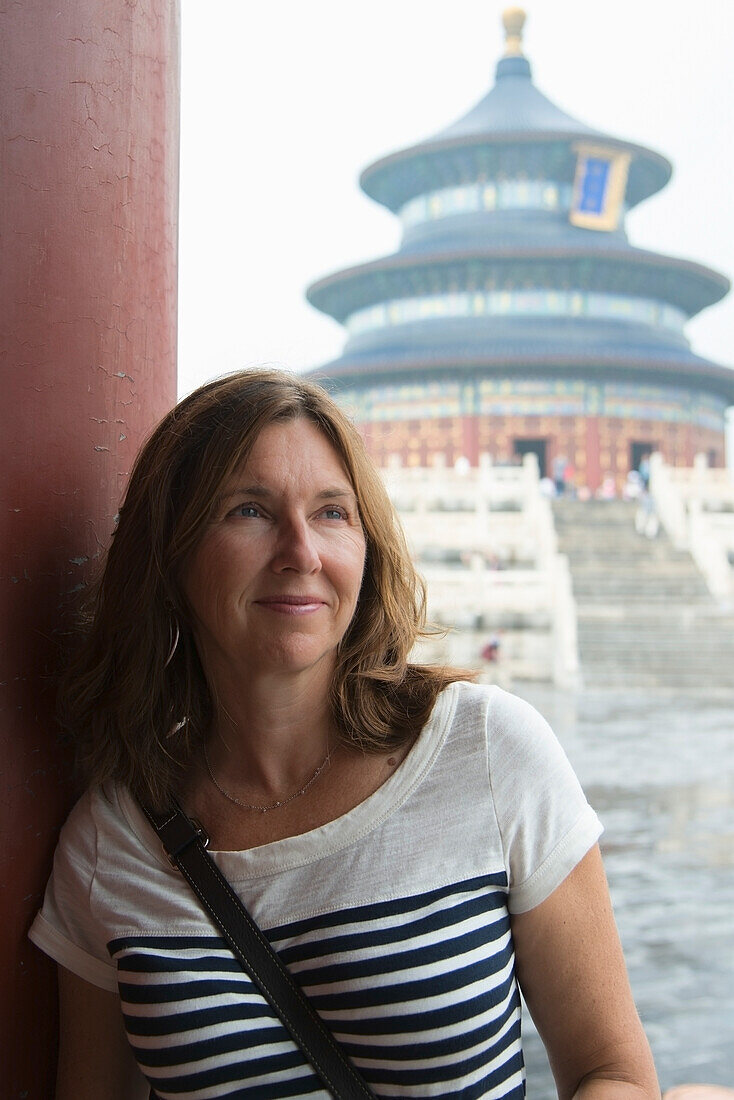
(291, 605)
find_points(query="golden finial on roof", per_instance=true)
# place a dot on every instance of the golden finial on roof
(513, 20)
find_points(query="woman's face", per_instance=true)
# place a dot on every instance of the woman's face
(274, 582)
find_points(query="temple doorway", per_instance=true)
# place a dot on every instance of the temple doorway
(638, 451)
(537, 447)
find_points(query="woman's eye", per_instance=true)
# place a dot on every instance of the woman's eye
(247, 511)
(335, 513)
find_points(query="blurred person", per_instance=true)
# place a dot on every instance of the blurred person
(560, 462)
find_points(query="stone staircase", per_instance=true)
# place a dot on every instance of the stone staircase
(645, 616)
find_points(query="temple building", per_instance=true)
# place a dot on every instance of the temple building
(516, 316)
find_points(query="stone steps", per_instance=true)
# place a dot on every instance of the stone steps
(607, 588)
(657, 661)
(645, 616)
(604, 675)
(695, 651)
(671, 638)
(636, 557)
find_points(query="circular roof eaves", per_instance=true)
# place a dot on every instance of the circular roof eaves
(374, 179)
(705, 376)
(325, 293)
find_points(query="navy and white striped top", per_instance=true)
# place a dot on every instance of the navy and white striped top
(395, 918)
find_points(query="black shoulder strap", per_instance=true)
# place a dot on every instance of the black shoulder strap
(185, 842)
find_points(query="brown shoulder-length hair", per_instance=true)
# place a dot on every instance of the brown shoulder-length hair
(124, 696)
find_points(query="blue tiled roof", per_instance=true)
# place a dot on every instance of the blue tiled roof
(530, 360)
(515, 132)
(515, 104)
(512, 111)
(682, 283)
(526, 336)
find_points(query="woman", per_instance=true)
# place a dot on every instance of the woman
(414, 845)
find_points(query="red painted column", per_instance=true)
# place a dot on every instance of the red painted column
(88, 217)
(470, 438)
(593, 461)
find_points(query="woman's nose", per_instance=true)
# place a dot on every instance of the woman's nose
(296, 548)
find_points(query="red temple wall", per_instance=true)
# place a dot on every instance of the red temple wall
(596, 447)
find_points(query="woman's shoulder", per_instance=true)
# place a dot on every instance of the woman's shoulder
(498, 709)
(94, 803)
(514, 734)
(98, 818)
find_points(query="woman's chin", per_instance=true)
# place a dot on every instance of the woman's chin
(291, 659)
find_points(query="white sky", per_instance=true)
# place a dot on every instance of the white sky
(285, 102)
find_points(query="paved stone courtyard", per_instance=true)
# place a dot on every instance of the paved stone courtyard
(659, 769)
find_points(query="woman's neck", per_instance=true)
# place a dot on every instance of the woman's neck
(266, 736)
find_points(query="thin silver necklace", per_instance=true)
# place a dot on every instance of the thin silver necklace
(272, 805)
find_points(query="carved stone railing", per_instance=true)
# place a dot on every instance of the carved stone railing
(696, 507)
(485, 542)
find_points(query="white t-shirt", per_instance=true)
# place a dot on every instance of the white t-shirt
(394, 918)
